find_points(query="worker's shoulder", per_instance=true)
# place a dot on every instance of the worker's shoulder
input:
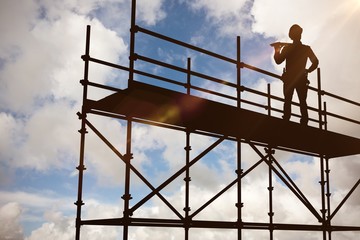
(303, 47)
(306, 46)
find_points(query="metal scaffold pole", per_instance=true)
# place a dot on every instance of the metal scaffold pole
(127, 196)
(132, 42)
(187, 179)
(328, 194)
(128, 156)
(239, 170)
(83, 132)
(323, 206)
(270, 152)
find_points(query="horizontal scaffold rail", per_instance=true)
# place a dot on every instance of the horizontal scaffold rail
(175, 223)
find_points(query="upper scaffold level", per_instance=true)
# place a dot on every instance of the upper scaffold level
(161, 105)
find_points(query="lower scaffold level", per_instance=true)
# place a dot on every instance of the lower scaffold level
(162, 105)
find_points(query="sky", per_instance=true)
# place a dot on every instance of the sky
(40, 67)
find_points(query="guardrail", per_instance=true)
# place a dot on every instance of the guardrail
(320, 109)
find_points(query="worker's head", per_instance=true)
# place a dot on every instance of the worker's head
(295, 32)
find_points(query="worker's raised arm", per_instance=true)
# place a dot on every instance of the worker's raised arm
(279, 56)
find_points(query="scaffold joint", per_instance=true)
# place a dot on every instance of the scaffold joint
(127, 214)
(80, 115)
(240, 88)
(126, 197)
(84, 82)
(85, 57)
(237, 205)
(187, 209)
(128, 156)
(133, 57)
(81, 167)
(83, 131)
(269, 150)
(187, 179)
(240, 64)
(79, 203)
(135, 29)
(322, 182)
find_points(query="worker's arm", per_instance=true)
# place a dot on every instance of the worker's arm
(278, 55)
(314, 60)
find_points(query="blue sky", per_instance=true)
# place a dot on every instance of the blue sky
(40, 68)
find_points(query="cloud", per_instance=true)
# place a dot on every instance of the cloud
(10, 227)
(230, 18)
(60, 227)
(40, 90)
(150, 11)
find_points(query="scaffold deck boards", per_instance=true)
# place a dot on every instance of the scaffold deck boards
(162, 105)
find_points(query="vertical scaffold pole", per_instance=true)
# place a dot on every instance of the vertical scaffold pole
(327, 171)
(132, 43)
(187, 148)
(269, 98)
(188, 76)
(239, 170)
(128, 156)
(83, 132)
(323, 207)
(127, 195)
(187, 180)
(322, 170)
(270, 151)
(325, 117)
(328, 194)
(319, 98)
(238, 70)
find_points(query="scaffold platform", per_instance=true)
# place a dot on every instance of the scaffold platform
(166, 106)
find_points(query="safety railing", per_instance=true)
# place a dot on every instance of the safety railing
(268, 104)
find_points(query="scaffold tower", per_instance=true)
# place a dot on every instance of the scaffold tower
(151, 103)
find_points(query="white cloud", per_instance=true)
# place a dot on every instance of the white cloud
(150, 11)
(50, 60)
(41, 83)
(218, 9)
(230, 17)
(10, 227)
(60, 227)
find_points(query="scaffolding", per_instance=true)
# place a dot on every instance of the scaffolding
(264, 133)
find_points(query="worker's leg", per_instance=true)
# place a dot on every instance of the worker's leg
(302, 90)
(288, 93)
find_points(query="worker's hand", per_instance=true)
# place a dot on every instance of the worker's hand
(277, 46)
(306, 72)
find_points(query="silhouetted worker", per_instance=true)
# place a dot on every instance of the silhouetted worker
(295, 73)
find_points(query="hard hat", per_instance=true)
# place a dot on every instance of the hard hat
(295, 31)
